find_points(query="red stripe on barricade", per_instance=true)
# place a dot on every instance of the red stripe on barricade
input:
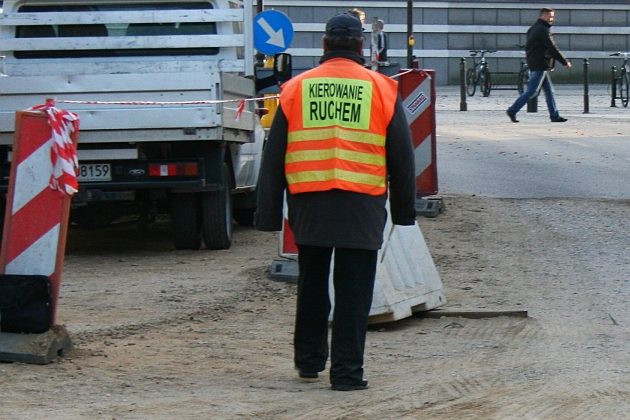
(421, 128)
(288, 245)
(34, 220)
(33, 132)
(417, 89)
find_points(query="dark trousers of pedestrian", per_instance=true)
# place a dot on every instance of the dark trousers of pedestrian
(536, 78)
(353, 278)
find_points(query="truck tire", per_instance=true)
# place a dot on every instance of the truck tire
(185, 215)
(244, 217)
(216, 210)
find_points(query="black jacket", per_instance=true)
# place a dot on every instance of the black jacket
(541, 50)
(338, 218)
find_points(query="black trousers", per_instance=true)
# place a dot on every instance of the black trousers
(353, 279)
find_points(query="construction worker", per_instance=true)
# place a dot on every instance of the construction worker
(340, 145)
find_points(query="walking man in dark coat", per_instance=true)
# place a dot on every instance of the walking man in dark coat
(542, 53)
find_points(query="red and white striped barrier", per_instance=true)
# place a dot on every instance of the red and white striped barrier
(417, 89)
(288, 248)
(41, 185)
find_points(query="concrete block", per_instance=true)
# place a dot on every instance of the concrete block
(285, 270)
(303, 40)
(581, 18)
(398, 15)
(301, 14)
(435, 41)
(435, 17)
(460, 42)
(460, 16)
(616, 18)
(508, 17)
(614, 43)
(39, 349)
(485, 17)
(510, 42)
(485, 41)
(585, 42)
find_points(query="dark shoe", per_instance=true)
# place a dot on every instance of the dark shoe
(512, 116)
(558, 119)
(344, 387)
(308, 376)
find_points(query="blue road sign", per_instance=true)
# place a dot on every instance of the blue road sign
(273, 32)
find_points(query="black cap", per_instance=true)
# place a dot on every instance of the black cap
(344, 25)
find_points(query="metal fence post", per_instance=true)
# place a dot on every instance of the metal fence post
(532, 104)
(463, 106)
(586, 101)
(613, 86)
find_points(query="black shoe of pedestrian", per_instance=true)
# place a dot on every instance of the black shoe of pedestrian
(558, 119)
(512, 116)
(308, 376)
(346, 387)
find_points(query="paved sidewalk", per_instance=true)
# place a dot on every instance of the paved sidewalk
(570, 100)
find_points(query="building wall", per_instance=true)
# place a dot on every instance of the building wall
(444, 32)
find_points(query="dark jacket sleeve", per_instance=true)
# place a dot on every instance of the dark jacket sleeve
(400, 166)
(552, 49)
(272, 181)
(541, 49)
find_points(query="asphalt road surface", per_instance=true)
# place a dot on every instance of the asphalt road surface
(481, 152)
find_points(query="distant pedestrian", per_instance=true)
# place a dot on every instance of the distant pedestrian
(381, 41)
(542, 53)
(340, 145)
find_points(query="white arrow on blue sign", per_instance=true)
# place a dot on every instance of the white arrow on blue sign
(273, 32)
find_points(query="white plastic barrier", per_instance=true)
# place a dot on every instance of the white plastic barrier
(407, 280)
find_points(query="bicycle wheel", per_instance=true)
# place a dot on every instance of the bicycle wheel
(624, 88)
(523, 79)
(471, 84)
(485, 84)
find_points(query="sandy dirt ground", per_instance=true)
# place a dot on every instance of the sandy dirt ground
(166, 334)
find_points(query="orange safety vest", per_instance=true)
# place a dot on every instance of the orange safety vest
(338, 115)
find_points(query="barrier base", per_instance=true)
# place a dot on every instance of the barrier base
(407, 308)
(285, 270)
(429, 207)
(38, 349)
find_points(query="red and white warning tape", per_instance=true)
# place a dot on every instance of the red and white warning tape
(63, 153)
(239, 109)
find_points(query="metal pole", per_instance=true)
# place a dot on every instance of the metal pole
(613, 87)
(532, 103)
(586, 104)
(462, 85)
(260, 57)
(410, 39)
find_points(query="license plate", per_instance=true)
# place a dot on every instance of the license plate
(91, 172)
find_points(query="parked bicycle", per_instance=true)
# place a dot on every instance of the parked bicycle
(523, 78)
(479, 74)
(620, 85)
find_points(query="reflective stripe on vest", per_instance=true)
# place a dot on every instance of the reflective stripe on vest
(338, 115)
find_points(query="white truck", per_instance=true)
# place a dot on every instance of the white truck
(153, 84)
